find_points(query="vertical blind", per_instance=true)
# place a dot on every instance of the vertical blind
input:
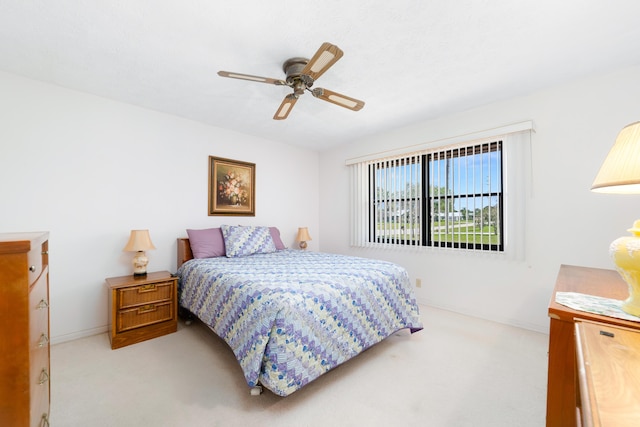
(397, 200)
(387, 201)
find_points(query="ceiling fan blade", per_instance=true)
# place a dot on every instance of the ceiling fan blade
(252, 78)
(285, 108)
(338, 99)
(325, 57)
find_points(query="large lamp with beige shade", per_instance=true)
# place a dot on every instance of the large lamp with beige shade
(620, 174)
(139, 242)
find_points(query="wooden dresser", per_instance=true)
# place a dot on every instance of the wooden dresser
(24, 329)
(562, 390)
(608, 359)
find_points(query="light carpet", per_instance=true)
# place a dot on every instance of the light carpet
(458, 371)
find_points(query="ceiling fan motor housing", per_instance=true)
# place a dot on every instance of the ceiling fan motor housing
(293, 69)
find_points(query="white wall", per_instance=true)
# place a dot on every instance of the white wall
(88, 170)
(566, 223)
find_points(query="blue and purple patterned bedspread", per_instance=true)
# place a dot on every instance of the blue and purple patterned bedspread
(290, 316)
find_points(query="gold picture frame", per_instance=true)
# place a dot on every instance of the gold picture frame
(232, 187)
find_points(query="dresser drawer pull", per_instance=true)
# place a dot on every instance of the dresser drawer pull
(32, 268)
(42, 304)
(44, 422)
(44, 377)
(147, 308)
(44, 340)
(147, 288)
(45, 252)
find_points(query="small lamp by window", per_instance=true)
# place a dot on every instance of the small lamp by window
(139, 241)
(303, 237)
(620, 174)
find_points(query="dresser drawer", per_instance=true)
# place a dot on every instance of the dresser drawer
(39, 313)
(40, 384)
(144, 294)
(145, 315)
(607, 373)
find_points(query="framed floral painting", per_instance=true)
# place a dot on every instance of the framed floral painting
(232, 187)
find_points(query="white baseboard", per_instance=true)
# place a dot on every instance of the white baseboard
(79, 334)
(497, 319)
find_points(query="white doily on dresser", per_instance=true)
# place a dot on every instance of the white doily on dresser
(593, 304)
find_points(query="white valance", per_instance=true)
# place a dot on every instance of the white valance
(474, 136)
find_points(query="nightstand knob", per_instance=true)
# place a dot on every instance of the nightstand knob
(42, 304)
(32, 268)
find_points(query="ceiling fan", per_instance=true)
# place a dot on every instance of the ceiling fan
(301, 74)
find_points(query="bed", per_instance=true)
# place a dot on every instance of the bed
(290, 316)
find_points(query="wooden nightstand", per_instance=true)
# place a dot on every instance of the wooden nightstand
(142, 307)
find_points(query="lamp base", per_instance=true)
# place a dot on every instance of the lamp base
(632, 306)
(625, 252)
(140, 262)
(303, 245)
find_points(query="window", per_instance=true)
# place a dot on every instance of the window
(468, 193)
(458, 189)
(465, 197)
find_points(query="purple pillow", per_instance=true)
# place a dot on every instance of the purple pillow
(275, 235)
(206, 243)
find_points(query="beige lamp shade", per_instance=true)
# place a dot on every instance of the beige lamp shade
(139, 240)
(620, 172)
(303, 237)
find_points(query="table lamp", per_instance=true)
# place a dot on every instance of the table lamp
(139, 241)
(303, 237)
(620, 174)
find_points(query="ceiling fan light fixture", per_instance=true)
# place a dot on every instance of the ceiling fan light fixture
(299, 87)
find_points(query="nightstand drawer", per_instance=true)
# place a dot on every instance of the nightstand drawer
(144, 294)
(144, 315)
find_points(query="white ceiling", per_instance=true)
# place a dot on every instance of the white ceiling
(409, 60)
